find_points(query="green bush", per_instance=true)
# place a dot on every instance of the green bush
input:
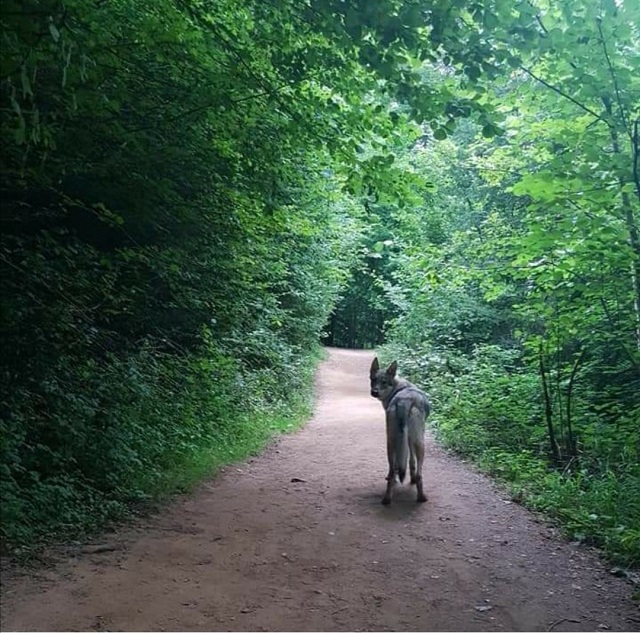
(138, 431)
(488, 406)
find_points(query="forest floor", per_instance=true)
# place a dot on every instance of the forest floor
(297, 540)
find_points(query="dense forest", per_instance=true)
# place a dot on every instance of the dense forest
(195, 194)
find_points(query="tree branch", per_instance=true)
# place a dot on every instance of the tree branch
(636, 150)
(599, 117)
(613, 75)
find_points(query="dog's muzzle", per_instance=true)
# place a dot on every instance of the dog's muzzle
(374, 393)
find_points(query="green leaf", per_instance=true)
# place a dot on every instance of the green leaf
(489, 131)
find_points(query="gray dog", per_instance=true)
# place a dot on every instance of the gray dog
(406, 408)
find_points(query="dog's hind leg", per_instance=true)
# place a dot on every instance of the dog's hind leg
(391, 476)
(412, 463)
(419, 450)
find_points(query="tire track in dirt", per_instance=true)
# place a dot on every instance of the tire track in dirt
(256, 550)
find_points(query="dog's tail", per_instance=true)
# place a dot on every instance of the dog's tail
(402, 440)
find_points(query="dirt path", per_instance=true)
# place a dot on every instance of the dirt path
(297, 540)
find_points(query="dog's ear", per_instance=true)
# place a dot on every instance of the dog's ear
(393, 368)
(375, 366)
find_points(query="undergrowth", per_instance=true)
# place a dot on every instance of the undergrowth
(141, 433)
(488, 408)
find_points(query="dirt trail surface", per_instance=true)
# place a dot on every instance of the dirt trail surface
(297, 540)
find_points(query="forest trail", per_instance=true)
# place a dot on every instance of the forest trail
(297, 540)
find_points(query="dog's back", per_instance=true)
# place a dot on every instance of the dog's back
(406, 412)
(406, 409)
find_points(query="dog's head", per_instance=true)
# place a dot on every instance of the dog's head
(383, 381)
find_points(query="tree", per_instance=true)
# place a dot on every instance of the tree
(179, 184)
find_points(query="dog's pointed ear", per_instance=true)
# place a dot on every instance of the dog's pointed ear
(393, 368)
(375, 366)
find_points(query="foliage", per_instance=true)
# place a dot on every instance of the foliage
(488, 407)
(193, 191)
(171, 248)
(180, 186)
(516, 278)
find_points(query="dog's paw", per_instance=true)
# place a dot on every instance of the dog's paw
(386, 501)
(421, 498)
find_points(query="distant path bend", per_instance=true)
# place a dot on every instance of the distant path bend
(297, 540)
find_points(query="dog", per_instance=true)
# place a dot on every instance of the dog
(406, 408)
